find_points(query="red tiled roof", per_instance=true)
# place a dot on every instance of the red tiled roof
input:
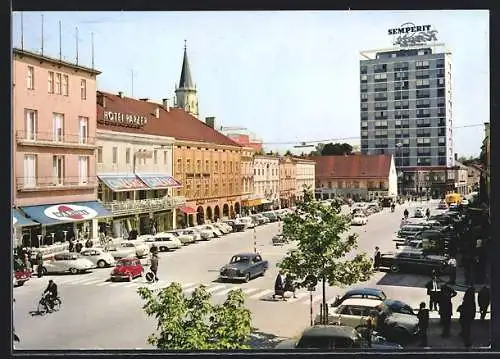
(353, 166)
(173, 123)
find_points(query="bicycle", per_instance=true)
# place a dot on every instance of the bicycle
(44, 304)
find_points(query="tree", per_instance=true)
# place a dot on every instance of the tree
(260, 152)
(336, 149)
(288, 153)
(194, 323)
(318, 149)
(322, 249)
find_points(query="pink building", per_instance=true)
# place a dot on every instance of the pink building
(54, 185)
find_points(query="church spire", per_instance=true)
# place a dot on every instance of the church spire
(186, 82)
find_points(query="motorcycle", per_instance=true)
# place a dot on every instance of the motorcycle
(46, 304)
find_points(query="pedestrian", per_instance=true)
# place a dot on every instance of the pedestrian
(279, 285)
(289, 285)
(153, 230)
(428, 213)
(466, 263)
(452, 263)
(71, 246)
(483, 301)
(376, 258)
(423, 323)
(88, 243)
(154, 264)
(433, 291)
(78, 246)
(446, 308)
(39, 262)
(467, 314)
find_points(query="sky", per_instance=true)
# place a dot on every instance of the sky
(287, 76)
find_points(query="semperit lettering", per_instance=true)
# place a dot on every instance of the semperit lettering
(123, 119)
(72, 213)
(405, 30)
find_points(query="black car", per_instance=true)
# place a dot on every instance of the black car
(244, 266)
(337, 337)
(237, 226)
(397, 306)
(408, 231)
(271, 216)
(414, 262)
(365, 293)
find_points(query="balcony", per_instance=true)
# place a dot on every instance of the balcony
(37, 184)
(49, 139)
(121, 208)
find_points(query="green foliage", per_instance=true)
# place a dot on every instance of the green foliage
(322, 247)
(194, 323)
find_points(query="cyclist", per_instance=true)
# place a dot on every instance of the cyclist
(52, 293)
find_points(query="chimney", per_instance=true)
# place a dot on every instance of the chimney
(157, 112)
(456, 156)
(120, 94)
(210, 121)
(165, 104)
(145, 99)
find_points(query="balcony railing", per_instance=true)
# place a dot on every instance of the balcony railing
(33, 184)
(51, 139)
(143, 205)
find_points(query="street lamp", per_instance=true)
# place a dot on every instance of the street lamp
(398, 167)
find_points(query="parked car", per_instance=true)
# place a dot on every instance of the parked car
(282, 213)
(419, 213)
(223, 227)
(235, 224)
(184, 238)
(244, 266)
(399, 327)
(97, 256)
(192, 232)
(331, 337)
(465, 202)
(127, 248)
(205, 234)
(67, 262)
(209, 227)
(127, 268)
(409, 230)
(353, 312)
(165, 242)
(21, 274)
(271, 215)
(247, 221)
(442, 205)
(414, 262)
(397, 306)
(259, 219)
(364, 293)
(359, 219)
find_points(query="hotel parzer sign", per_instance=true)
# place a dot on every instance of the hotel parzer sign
(123, 119)
(409, 34)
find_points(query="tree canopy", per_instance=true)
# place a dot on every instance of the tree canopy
(332, 149)
(194, 323)
(322, 248)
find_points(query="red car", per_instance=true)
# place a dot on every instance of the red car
(127, 268)
(21, 273)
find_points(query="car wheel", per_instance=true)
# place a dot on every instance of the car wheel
(395, 268)
(73, 271)
(263, 273)
(101, 263)
(20, 284)
(44, 271)
(247, 277)
(163, 249)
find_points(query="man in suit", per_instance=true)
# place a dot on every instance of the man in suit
(446, 308)
(279, 285)
(433, 291)
(423, 324)
(376, 258)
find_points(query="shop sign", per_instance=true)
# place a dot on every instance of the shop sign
(409, 34)
(123, 119)
(73, 212)
(121, 183)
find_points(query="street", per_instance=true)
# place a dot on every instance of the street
(98, 314)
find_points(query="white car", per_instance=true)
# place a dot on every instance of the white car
(419, 213)
(67, 262)
(164, 242)
(204, 234)
(184, 238)
(359, 220)
(354, 312)
(223, 227)
(97, 256)
(192, 232)
(216, 231)
(127, 249)
(248, 221)
(465, 202)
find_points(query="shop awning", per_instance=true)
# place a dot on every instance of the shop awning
(158, 180)
(187, 210)
(122, 182)
(19, 220)
(66, 212)
(253, 202)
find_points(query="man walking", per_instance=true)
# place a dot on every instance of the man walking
(39, 262)
(467, 315)
(433, 291)
(483, 300)
(446, 308)
(423, 323)
(452, 263)
(154, 264)
(376, 258)
(279, 285)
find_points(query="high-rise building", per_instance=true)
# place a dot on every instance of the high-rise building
(406, 106)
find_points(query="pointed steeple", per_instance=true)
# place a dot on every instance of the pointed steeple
(186, 81)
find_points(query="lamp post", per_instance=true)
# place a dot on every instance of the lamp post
(53, 235)
(399, 172)
(39, 240)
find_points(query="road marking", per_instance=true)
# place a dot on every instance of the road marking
(80, 280)
(223, 292)
(93, 281)
(261, 294)
(299, 297)
(316, 298)
(250, 290)
(215, 288)
(68, 280)
(130, 285)
(103, 284)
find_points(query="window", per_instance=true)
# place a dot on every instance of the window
(31, 78)
(58, 170)
(422, 64)
(99, 154)
(207, 166)
(51, 82)
(381, 77)
(364, 78)
(364, 88)
(29, 179)
(83, 89)
(165, 157)
(83, 169)
(30, 126)
(364, 97)
(155, 157)
(58, 83)
(115, 155)
(65, 85)
(127, 156)
(179, 166)
(198, 166)
(216, 167)
(58, 127)
(83, 134)
(363, 69)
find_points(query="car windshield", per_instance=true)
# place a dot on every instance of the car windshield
(239, 259)
(127, 245)
(124, 262)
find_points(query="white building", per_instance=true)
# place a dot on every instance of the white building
(305, 176)
(266, 179)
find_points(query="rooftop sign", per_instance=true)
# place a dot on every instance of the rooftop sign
(122, 119)
(409, 34)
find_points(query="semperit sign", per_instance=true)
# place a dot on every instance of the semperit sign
(409, 34)
(70, 212)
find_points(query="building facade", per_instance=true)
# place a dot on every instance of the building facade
(266, 190)
(247, 154)
(242, 136)
(406, 106)
(484, 187)
(361, 177)
(287, 181)
(305, 175)
(473, 177)
(54, 182)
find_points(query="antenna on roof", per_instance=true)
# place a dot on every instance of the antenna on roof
(92, 47)
(22, 32)
(60, 41)
(132, 76)
(76, 38)
(42, 34)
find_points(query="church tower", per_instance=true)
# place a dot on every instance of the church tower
(186, 97)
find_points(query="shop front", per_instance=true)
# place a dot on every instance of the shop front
(254, 204)
(22, 228)
(61, 222)
(186, 216)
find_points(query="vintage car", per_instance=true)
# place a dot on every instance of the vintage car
(67, 262)
(205, 234)
(259, 219)
(209, 227)
(223, 227)
(235, 224)
(97, 256)
(359, 219)
(164, 242)
(331, 337)
(21, 274)
(128, 269)
(353, 312)
(397, 306)
(364, 293)
(247, 221)
(244, 266)
(419, 213)
(132, 248)
(408, 231)
(184, 238)
(271, 216)
(442, 205)
(192, 232)
(414, 261)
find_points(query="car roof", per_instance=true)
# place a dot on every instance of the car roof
(366, 291)
(389, 302)
(251, 255)
(330, 331)
(364, 302)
